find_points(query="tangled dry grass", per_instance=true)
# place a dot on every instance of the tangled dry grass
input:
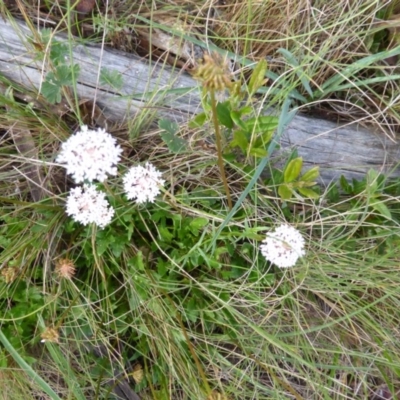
(329, 330)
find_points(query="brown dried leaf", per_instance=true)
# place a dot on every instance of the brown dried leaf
(137, 373)
(85, 6)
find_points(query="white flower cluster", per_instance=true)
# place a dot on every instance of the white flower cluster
(90, 155)
(87, 205)
(283, 246)
(143, 183)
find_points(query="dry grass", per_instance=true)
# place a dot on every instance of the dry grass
(323, 39)
(325, 330)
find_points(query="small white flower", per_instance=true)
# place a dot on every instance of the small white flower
(90, 155)
(283, 246)
(143, 183)
(86, 205)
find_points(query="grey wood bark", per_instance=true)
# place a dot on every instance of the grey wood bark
(349, 149)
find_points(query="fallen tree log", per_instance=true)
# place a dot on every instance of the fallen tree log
(348, 150)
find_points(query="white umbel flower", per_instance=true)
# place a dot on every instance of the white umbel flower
(142, 183)
(86, 205)
(283, 246)
(90, 155)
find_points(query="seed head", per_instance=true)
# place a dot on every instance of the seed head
(65, 268)
(9, 274)
(214, 73)
(50, 335)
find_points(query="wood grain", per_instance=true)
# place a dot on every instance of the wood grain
(349, 149)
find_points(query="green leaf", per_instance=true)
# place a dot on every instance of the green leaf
(46, 35)
(3, 359)
(240, 140)
(137, 262)
(311, 175)
(258, 152)
(58, 52)
(161, 269)
(140, 263)
(51, 91)
(66, 74)
(118, 246)
(264, 139)
(266, 123)
(246, 110)
(198, 223)
(292, 60)
(63, 76)
(292, 170)
(372, 179)
(309, 193)
(175, 144)
(285, 118)
(333, 193)
(165, 234)
(345, 185)
(192, 309)
(304, 184)
(112, 78)
(285, 192)
(103, 242)
(223, 115)
(237, 119)
(257, 78)
(381, 208)
(34, 294)
(168, 125)
(198, 121)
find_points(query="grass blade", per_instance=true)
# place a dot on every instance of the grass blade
(284, 120)
(27, 368)
(333, 84)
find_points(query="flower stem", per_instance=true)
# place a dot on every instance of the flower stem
(219, 147)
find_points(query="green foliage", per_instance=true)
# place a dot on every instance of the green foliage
(257, 78)
(198, 121)
(169, 136)
(292, 61)
(21, 317)
(111, 78)
(254, 134)
(62, 76)
(371, 192)
(62, 71)
(27, 368)
(341, 80)
(246, 131)
(183, 277)
(293, 182)
(386, 34)
(59, 51)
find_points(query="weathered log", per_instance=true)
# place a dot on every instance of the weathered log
(348, 150)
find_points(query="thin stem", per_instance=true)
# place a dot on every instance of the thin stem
(219, 147)
(196, 360)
